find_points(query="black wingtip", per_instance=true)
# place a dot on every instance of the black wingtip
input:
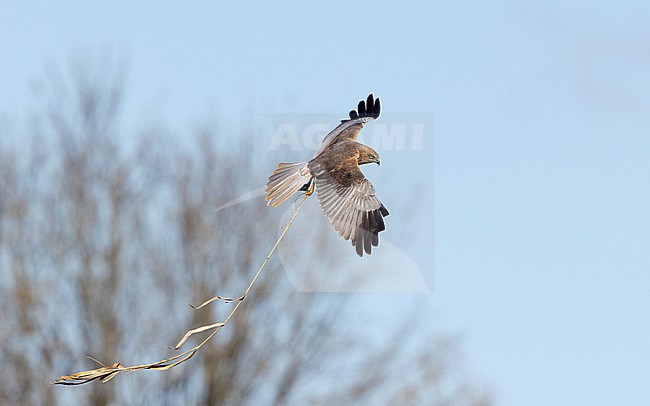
(359, 248)
(371, 223)
(370, 104)
(366, 108)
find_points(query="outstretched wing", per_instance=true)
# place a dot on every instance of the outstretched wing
(367, 110)
(348, 201)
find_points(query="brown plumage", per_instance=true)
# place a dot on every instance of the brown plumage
(346, 197)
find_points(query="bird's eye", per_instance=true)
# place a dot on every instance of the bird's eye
(371, 156)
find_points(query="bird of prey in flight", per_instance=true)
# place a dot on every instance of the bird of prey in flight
(346, 197)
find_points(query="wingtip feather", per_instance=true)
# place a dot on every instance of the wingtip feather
(370, 107)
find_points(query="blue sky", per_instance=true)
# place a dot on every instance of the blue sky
(531, 191)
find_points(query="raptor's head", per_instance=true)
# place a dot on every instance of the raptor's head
(367, 155)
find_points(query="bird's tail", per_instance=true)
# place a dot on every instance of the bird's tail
(286, 180)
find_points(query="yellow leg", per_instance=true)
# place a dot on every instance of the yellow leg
(310, 191)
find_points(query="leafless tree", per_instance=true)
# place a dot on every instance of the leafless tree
(106, 231)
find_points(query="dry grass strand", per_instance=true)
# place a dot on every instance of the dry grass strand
(106, 373)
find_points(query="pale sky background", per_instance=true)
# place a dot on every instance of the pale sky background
(537, 216)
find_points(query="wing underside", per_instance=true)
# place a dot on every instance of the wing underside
(354, 211)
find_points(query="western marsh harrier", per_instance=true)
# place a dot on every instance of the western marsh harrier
(346, 197)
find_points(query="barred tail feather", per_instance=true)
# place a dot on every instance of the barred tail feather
(286, 180)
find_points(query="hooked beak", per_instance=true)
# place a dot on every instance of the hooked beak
(378, 163)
